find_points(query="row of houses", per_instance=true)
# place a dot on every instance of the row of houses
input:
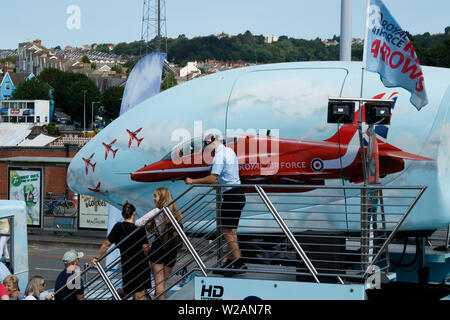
(33, 57)
(193, 69)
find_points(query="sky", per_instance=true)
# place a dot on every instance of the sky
(114, 21)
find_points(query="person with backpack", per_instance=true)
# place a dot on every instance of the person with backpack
(163, 253)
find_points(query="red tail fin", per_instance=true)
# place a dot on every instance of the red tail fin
(344, 135)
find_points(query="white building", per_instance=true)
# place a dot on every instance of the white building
(25, 111)
(271, 38)
(190, 68)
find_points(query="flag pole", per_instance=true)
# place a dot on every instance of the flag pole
(364, 242)
(363, 68)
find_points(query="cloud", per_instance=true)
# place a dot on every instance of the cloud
(298, 98)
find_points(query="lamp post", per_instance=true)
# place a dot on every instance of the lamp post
(84, 112)
(92, 120)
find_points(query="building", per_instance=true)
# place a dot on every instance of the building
(10, 81)
(190, 69)
(270, 39)
(32, 57)
(330, 42)
(25, 111)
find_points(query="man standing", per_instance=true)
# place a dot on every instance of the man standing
(225, 171)
(69, 278)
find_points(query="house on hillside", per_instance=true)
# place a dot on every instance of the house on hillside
(190, 69)
(10, 81)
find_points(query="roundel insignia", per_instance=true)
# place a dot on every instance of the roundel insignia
(317, 165)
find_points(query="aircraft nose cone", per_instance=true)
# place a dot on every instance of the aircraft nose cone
(151, 173)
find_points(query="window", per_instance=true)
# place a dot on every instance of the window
(184, 149)
(38, 119)
(7, 85)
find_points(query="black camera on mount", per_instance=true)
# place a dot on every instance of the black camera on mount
(341, 111)
(378, 112)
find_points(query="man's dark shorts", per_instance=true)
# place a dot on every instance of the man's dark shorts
(233, 201)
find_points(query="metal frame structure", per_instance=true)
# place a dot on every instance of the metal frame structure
(312, 237)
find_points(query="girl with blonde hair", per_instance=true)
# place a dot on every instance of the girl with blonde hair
(162, 255)
(35, 287)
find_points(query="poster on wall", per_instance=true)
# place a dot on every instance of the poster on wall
(26, 185)
(93, 213)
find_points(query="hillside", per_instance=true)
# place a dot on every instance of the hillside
(433, 50)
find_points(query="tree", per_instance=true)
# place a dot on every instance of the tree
(76, 101)
(168, 80)
(111, 100)
(9, 59)
(32, 89)
(85, 59)
(117, 68)
(61, 82)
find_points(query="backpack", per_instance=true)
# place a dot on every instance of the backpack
(170, 238)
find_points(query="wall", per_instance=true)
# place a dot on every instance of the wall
(42, 110)
(54, 177)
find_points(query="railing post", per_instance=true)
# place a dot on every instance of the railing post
(287, 232)
(185, 240)
(364, 241)
(218, 224)
(396, 228)
(107, 282)
(447, 241)
(384, 226)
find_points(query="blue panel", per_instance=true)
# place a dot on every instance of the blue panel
(210, 288)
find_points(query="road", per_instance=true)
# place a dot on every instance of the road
(45, 260)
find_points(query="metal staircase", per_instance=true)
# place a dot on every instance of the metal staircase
(291, 234)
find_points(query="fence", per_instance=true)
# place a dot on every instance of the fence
(288, 232)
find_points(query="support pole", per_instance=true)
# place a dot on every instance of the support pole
(345, 45)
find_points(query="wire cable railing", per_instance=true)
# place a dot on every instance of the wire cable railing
(332, 234)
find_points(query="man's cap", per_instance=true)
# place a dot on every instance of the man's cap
(71, 255)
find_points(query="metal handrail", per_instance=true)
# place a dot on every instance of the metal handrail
(288, 233)
(203, 241)
(108, 282)
(185, 240)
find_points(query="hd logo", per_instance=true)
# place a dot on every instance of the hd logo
(211, 292)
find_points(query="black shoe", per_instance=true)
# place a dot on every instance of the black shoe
(232, 266)
(239, 265)
(225, 265)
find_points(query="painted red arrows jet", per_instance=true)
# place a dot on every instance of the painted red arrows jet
(88, 163)
(96, 189)
(294, 161)
(109, 148)
(133, 137)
